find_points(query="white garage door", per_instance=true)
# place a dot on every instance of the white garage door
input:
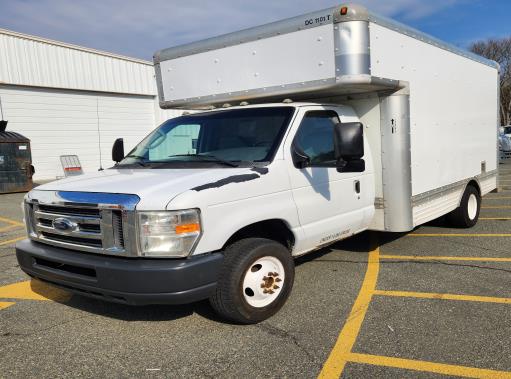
(60, 122)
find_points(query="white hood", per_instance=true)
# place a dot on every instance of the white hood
(155, 187)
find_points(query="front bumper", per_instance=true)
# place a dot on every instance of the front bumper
(135, 281)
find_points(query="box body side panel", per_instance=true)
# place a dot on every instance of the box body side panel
(453, 111)
(276, 61)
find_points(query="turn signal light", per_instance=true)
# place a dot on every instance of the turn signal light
(187, 228)
(344, 11)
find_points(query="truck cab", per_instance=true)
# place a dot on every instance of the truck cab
(296, 175)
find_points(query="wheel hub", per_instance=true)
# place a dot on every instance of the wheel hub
(269, 284)
(263, 281)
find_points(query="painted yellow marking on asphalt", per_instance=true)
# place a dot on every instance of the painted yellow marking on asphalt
(33, 290)
(338, 357)
(5, 304)
(444, 296)
(443, 258)
(416, 365)
(457, 235)
(494, 218)
(496, 207)
(12, 241)
(497, 198)
(12, 222)
(10, 227)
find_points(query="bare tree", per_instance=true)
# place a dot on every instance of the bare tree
(499, 50)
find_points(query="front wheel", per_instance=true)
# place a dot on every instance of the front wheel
(467, 214)
(255, 280)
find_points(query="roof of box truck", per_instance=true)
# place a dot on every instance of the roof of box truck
(265, 105)
(324, 54)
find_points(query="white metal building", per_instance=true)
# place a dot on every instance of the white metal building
(72, 100)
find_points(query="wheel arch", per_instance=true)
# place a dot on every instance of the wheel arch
(274, 229)
(474, 182)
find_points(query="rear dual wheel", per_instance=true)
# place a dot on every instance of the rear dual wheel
(255, 280)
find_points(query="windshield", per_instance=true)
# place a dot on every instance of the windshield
(226, 138)
(507, 129)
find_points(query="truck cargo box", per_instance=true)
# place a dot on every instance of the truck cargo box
(429, 108)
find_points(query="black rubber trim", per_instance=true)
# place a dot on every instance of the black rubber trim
(135, 281)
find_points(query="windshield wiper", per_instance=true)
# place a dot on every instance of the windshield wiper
(207, 158)
(134, 156)
(141, 160)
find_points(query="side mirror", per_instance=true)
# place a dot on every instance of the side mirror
(349, 146)
(118, 150)
(300, 159)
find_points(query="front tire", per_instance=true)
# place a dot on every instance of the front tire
(254, 282)
(467, 214)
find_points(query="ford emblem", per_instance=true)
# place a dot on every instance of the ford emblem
(64, 225)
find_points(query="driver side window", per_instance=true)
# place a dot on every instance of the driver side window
(315, 137)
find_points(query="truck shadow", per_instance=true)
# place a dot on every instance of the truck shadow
(360, 243)
(141, 313)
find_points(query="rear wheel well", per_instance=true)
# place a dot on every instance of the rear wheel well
(474, 184)
(471, 183)
(274, 229)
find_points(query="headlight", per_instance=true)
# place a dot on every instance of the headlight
(168, 233)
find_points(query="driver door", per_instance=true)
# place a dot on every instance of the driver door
(330, 204)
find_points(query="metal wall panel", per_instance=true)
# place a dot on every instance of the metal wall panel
(33, 61)
(63, 122)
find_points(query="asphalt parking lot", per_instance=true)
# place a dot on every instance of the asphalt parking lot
(432, 303)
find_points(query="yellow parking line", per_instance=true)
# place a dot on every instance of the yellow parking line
(456, 235)
(494, 218)
(337, 359)
(444, 296)
(2, 243)
(12, 222)
(496, 207)
(497, 198)
(441, 258)
(10, 227)
(416, 365)
(33, 290)
(5, 304)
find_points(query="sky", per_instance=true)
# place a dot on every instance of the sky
(138, 28)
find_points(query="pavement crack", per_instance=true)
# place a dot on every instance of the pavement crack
(284, 334)
(36, 332)
(448, 264)
(432, 261)
(460, 243)
(336, 261)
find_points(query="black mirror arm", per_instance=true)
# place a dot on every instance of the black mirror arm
(341, 163)
(300, 159)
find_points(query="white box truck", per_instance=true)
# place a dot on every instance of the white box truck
(313, 129)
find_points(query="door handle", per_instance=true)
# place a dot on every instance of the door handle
(357, 186)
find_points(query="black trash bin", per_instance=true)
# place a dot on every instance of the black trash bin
(16, 168)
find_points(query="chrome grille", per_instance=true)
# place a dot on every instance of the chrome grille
(91, 222)
(86, 232)
(117, 229)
